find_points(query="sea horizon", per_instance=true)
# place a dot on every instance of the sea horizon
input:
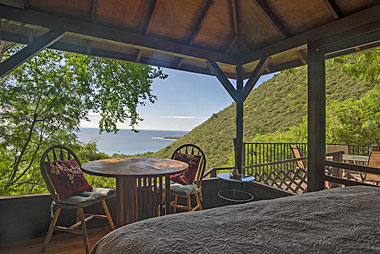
(128, 142)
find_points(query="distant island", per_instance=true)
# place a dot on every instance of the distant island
(175, 138)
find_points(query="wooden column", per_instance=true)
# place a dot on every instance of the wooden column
(239, 119)
(316, 118)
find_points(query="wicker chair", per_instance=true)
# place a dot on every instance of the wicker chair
(186, 190)
(77, 201)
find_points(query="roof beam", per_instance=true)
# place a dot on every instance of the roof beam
(213, 66)
(335, 27)
(256, 74)
(263, 6)
(334, 9)
(108, 33)
(24, 54)
(81, 49)
(200, 21)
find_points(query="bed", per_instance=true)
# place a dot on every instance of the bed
(340, 220)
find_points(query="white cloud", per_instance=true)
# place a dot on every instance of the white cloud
(183, 117)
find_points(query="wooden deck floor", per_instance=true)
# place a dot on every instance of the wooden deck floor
(60, 243)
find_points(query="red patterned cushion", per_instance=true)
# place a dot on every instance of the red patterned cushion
(67, 178)
(188, 176)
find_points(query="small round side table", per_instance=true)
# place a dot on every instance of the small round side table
(235, 195)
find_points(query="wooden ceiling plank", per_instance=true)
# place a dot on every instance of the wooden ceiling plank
(200, 21)
(256, 74)
(151, 15)
(334, 9)
(108, 33)
(221, 76)
(338, 26)
(263, 6)
(302, 56)
(24, 54)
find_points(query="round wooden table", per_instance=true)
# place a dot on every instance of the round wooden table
(138, 184)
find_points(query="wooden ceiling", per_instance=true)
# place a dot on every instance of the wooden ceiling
(184, 34)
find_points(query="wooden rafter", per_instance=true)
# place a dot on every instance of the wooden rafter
(334, 9)
(103, 32)
(338, 26)
(81, 49)
(263, 6)
(180, 62)
(231, 44)
(235, 25)
(29, 51)
(235, 17)
(94, 5)
(152, 13)
(148, 25)
(200, 22)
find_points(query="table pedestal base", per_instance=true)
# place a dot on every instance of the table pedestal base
(140, 198)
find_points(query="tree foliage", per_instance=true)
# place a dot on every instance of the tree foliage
(43, 101)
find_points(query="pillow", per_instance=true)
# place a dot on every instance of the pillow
(67, 178)
(188, 176)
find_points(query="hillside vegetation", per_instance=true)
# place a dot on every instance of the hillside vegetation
(277, 104)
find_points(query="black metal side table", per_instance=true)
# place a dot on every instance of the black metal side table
(237, 194)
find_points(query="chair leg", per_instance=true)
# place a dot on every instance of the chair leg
(51, 229)
(84, 230)
(107, 212)
(199, 204)
(77, 217)
(188, 203)
(175, 203)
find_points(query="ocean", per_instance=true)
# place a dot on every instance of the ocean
(129, 142)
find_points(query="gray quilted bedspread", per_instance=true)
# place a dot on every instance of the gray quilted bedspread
(342, 220)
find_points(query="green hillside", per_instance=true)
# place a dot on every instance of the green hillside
(277, 104)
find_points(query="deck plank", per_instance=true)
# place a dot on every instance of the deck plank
(60, 243)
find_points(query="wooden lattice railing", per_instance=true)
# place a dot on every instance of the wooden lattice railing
(281, 174)
(274, 164)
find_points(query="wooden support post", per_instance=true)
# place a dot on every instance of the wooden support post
(239, 119)
(316, 118)
(23, 55)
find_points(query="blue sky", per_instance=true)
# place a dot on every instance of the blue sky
(184, 101)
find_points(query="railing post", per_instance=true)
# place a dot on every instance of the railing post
(337, 156)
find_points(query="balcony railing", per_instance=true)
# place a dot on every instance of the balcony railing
(274, 163)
